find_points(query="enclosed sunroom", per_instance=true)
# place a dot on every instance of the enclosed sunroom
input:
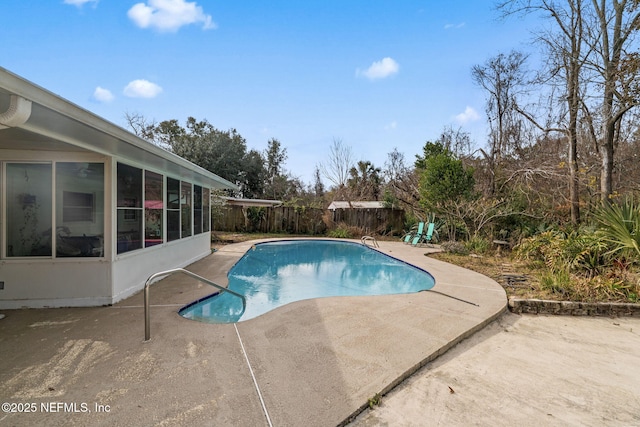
(88, 210)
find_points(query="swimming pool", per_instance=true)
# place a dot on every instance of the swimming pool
(273, 274)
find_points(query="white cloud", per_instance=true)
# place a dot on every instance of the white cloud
(80, 3)
(391, 126)
(142, 89)
(469, 115)
(454, 26)
(380, 69)
(103, 95)
(169, 15)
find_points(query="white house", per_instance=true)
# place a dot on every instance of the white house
(88, 211)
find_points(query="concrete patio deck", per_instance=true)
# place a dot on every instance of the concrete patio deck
(315, 362)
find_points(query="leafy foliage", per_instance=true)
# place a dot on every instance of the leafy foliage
(342, 231)
(444, 178)
(621, 226)
(255, 214)
(364, 181)
(581, 252)
(454, 247)
(478, 245)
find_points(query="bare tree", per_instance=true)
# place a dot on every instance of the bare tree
(565, 63)
(616, 24)
(457, 141)
(403, 182)
(139, 124)
(337, 167)
(592, 50)
(501, 76)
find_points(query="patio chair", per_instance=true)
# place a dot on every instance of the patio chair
(407, 238)
(424, 237)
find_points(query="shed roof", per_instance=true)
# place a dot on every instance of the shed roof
(355, 205)
(251, 202)
(56, 124)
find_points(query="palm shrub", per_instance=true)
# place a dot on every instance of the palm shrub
(621, 226)
(585, 252)
(535, 249)
(579, 265)
(478, 245)
(581, 252)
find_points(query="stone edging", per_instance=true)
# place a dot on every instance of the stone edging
(537, 306)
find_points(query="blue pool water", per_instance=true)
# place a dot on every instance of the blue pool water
(273, 274)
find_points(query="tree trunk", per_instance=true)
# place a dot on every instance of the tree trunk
(606, 174)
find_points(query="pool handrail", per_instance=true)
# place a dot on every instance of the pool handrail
(365, 239)
(147, 313)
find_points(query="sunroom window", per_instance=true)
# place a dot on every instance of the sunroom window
(197, 209)
(130, 210)
(79, 209)
(153, 206)
(173, 209)
(185, 208)
(206, 209)
(29, 209)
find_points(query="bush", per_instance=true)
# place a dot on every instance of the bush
(454, 247)
(621, 225)
(344, 231)
(581, 252)
(579, 266)
(340, 233)
(478, 245)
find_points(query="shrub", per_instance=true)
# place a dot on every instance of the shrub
(581, 252)
(454, 247)
(478, 245)
(621, 225)
(345, 231)
(255, 214)
(579, 266)
(340, 233)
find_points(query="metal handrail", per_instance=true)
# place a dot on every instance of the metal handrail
(367, 238)
(147, 313)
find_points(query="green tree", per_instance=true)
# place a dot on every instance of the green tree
(365, 180)
(276, 156)
(444, 178)
(318, 185)
(276, 181)
(221, 152)
(254, 174)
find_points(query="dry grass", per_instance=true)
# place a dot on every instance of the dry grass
(525, 280)
(518, 278)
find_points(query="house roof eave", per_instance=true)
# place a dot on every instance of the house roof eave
(58, 119)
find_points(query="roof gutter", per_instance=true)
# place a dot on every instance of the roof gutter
(17, 114)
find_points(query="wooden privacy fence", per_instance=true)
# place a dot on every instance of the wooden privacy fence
(279, 219)
(371, 221)
(297, 220)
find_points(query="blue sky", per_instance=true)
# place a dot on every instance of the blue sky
(376, 74)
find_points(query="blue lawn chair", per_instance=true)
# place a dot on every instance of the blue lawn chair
(424, 238)
(407, 238)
